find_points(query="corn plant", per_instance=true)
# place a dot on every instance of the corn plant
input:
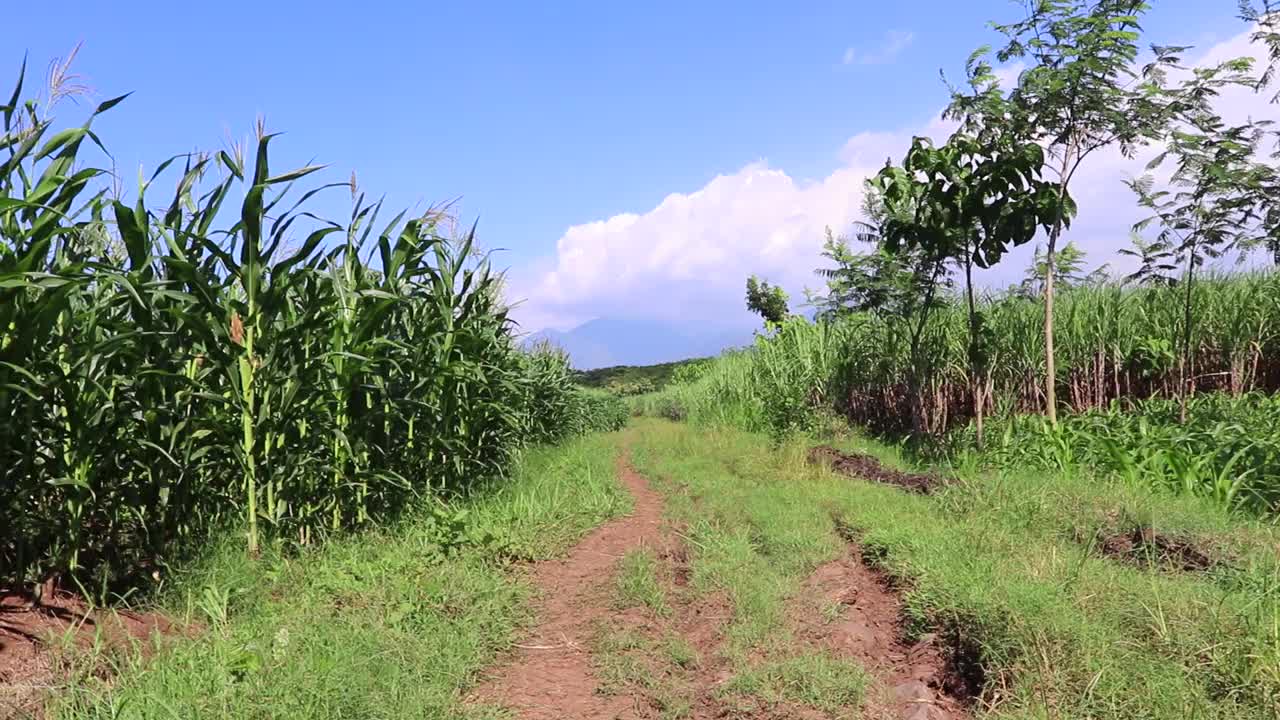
(174, 369)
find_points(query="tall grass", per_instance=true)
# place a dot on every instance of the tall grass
(1227, 450)
(175, 364)
(1116, 344)
(1117, 372)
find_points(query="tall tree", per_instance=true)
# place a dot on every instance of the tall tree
(1265, 18)
(877, 280)
(1212, 203)
(965, 203)
(991, 175)
(767, 301)
(1082, 93)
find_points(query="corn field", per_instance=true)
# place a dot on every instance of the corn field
(213, 355)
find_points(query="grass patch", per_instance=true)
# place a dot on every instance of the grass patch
(386, 624)
(637, 582)
(820, 681)
(628, 660)
(992, 564)
(681, 652)
(747, 534)
(621, 657)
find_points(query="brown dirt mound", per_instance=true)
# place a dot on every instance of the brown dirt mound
(549, 675)
(851, 610)
(869, 468)
(33, 636)
(1145, 546)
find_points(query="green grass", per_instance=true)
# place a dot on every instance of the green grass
(750, 540)
(993, 565)
(387, 624)
(396, 623)
(680, 652)
(630, 660)
(833, 685)
(637, 582)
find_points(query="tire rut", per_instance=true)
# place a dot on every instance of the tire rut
(911, 680)
(549, 674)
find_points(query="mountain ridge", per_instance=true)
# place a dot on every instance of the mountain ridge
(614, 341)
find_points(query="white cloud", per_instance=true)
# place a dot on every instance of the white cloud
(1008, 75)
(689, 256)
(895, 41)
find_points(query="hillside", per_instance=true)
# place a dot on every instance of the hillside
(632, 379)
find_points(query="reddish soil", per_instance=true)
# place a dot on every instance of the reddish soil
(912, 680)
(698, 620)
(550, 673)
(31, 637)
(1145, 546)
(869, 468)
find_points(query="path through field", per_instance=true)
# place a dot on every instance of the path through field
(594, 655)
(550, 673)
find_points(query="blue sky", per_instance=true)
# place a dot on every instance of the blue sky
(550, 116)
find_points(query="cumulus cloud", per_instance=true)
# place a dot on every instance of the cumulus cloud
(688, 258)
(894, 42)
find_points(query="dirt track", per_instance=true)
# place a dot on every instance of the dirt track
(553, 672)
(549, 674)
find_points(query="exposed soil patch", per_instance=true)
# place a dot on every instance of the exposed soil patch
(33, 636)
(869, 468)
(681, 668)
(1144, 546)
(852, 611)
(550, 673)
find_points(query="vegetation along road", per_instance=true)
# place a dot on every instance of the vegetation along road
(255, 463)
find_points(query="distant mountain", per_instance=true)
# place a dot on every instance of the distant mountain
(606, 342)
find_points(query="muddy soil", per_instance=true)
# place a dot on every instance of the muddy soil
(1144, 546)
(851, 610)
(550, 673)
(37, 642)
(869, 468)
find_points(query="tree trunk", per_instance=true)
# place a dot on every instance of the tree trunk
(1050, 364)
(1050, 368)
(1183, 380)
(976, 380)
(916, 380)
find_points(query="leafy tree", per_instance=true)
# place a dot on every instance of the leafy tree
(1212, 203)
(1157, 260)
(1269, 213)
(964, 203)
(767, 301)
(877, 281)
(1068, 270)
(1081, 94)
(1267, 19)
(987, 184)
